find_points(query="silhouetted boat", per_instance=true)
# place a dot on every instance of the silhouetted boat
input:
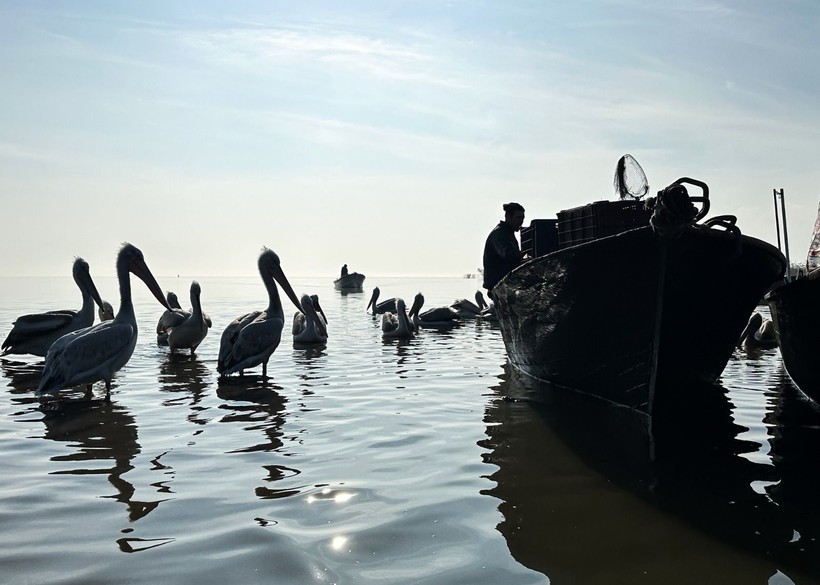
(617, 311)
(795, 309)
(349, 282)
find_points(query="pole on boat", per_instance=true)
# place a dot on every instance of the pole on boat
(777, 214)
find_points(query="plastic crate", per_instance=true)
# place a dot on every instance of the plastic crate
(541, 237)
(600, 219)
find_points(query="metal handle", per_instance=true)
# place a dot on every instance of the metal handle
(703, 199)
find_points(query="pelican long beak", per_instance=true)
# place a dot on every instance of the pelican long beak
(416, 306)
(140, 269)
(278, 275)
(92, 288)
(373, 298)
(754, 323)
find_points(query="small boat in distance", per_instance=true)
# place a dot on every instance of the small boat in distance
(349, 281)
(634, 300)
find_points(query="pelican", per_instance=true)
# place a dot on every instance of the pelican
(309, 325)
(105, 312)
(34, 334)
(397, 325)
(96, 353)
(467, 309)
(173, 317)
(383, 307)
(251, 339)
(758, 334)
(192, 330)
(435, 318)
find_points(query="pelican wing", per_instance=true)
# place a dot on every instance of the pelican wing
(229, 337)
(172, 318)
(32, 325)
(84, 356)
(439, 314)
(299, 323)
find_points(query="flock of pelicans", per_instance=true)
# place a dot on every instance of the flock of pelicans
(79, 353)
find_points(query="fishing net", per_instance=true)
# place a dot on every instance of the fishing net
(630, 180)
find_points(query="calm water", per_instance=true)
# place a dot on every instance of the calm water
(388, 462)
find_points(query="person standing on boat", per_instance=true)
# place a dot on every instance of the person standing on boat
(344, 271)
(501, 250)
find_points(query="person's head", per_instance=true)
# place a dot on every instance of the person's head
(514, 215)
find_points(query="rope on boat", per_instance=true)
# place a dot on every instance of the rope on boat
(672, 211)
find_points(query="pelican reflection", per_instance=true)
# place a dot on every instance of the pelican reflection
(103, 436)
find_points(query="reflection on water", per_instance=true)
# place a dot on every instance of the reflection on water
(104, 438)
(560, 476)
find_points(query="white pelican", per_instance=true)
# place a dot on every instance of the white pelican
(251, 339)
(173, 317)
(467, 309)
(308, 326)
(758, 334)
(34, 334)
(382, 307)
(105, 312)
(397, 325)
(192, 330)
(435, 318)
(96, 353)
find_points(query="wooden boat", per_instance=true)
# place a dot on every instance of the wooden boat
(795, 309)
(349, 282)
(622, 314)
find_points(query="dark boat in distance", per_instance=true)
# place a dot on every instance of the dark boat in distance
(628, 298)
(352, 282)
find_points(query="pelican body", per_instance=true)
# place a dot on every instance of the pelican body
(98, 352)
(758, 334)
(173, 317)
(435, 318)
(190, 332)
(251, 339)
(397, 325)
(34, 334)
(467, 309)
(380, 308)
(309, 325)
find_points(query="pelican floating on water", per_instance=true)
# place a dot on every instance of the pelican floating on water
(189, 333)
(467, 309)
(758, 334)
(251, 339)
(34, 334)
(382, 307)
(309, 325)
(397, 325)
(435, 318)
(96, 353)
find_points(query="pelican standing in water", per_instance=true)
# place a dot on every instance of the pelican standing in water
(192, 330)
(397, 325)
(380, 307)
(251, 339)
(309, 325)
(435, 318)
(34, 334)
(758, 334)
(96, 353)
(173, 317)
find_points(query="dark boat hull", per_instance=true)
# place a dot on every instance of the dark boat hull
(620, 316)
(795, 309)
(352, 281)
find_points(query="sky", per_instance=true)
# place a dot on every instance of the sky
(384, 135)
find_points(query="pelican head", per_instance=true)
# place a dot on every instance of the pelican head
(82, 276)
(173, 301)
(270, 265)
(374, 298)
(130, 259)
